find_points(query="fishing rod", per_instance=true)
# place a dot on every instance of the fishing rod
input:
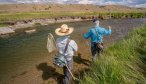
(74, 78)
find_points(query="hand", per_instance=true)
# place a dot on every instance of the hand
(109, 27)
(79, 54)
(83, 33)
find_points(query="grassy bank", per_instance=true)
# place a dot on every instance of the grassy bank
(44, 14)
(122, 63)
(4, 25)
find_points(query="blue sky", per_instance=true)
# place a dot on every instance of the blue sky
(133, 3)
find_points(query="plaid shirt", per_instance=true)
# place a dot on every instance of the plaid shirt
(72, 46)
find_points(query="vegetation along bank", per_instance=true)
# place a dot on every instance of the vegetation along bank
(121, 63)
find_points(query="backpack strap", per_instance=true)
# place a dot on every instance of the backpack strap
(96, 32)
(68, 40)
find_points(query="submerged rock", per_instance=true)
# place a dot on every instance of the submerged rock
(30, 31)
(22, 25)
(6, 30)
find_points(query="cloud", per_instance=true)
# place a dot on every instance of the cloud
(133, 3)
(85, 2)
(7, 1)
(141, 5)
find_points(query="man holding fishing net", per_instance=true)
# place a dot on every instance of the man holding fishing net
(66, 48)
(96, 34)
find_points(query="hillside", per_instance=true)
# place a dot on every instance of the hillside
(69, 8)
(10, 14)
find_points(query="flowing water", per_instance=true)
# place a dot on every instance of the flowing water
(22, 51)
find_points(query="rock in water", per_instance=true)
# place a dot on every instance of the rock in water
(30, 31)
(6, 30)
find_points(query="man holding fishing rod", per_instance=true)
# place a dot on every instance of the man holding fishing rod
(96, 34)
(66, 48)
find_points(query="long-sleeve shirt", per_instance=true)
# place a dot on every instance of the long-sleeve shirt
(96, 34)
(72, 46)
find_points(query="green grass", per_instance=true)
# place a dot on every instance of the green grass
(44, 14)
(4, 25)
(122, 63)
(35, 15)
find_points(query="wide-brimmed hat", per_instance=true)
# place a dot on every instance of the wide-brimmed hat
(64, 30)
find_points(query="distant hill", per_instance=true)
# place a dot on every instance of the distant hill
(121, 8)
(67, 8)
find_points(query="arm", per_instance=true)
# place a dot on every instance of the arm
(107, 31)
(74, 45)
(87, 35)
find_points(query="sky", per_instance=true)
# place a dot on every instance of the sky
(131, 3)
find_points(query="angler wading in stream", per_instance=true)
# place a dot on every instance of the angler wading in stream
(66, 48)
(96, 34)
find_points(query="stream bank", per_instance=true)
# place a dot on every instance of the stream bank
(22, 53)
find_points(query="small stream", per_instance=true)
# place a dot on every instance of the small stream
(22, 51)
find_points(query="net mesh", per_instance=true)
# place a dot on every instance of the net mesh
(51, 45)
